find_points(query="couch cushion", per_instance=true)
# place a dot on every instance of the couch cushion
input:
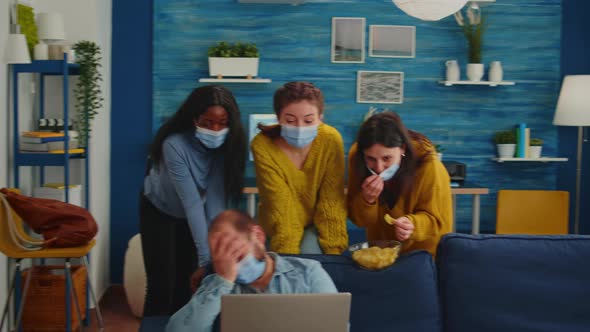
(514, 283)
(402, 297)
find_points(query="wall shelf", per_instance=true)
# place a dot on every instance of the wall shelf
(289, 2)
(235, 80)
(542, 159)
(450, 83)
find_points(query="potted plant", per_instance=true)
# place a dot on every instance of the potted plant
(439, 151)
(536, 145)
(87, 91)
(473, 29)
(506, 143)
(239, 59)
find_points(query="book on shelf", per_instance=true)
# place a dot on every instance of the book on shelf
(527, 142)
(26, 139)
(46, 147)
(70, 151)
(521, 145)
(41, 134)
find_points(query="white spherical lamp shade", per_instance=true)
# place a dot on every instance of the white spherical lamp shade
(16, 50)
(430, 10)
(51, 26)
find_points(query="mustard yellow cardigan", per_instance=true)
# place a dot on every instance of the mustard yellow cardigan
(292, 198)
(428, 204)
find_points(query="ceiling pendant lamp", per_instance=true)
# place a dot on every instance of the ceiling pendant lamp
(430, 10)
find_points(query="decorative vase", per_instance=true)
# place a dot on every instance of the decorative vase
(506, 150)
(41, 52)
(495, 73)
(439, 155)
(453, 72)
(535, 151)
(233, 67)
(475, 71)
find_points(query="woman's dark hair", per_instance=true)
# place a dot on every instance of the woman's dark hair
(387, 129)
(234, 148)
(289, 93)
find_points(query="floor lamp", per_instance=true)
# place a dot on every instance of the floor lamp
(573, 109)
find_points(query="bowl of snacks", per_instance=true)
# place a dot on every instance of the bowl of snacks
(375, 255)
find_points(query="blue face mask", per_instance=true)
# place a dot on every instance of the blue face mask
(387, 173)
(299, 137)
(250, 269)
(211, 138)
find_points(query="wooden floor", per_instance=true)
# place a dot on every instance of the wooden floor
(115, 312)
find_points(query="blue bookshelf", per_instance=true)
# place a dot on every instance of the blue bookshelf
(45, 68)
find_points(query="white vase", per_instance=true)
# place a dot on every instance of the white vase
(506, 150)
(233, 67)
(41, 52)
(535, 151)
(475, 71)
(439, 155)
(495, 73)
(453, 72)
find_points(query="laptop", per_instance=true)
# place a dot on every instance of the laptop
(285, 312)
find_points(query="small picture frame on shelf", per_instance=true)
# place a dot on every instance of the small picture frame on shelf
(254, 120)
(348, 40)
(392, 41)
(383, 87)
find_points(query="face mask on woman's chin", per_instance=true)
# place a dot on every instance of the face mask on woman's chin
(210, 138)
(387, 173)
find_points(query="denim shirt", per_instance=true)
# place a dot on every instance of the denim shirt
(292, 275)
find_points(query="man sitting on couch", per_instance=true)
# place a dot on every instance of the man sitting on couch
(242, 266)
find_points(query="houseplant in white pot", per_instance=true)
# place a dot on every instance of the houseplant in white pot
(233, 60)
(536, 145)
(473, 29)
(506, 143)
(439, 151)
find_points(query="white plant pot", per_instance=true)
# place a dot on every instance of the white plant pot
(439, 155)
(475, 71)
(535, 151)
(233, 67)
(506, 150)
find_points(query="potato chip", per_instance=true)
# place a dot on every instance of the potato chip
(389, 219)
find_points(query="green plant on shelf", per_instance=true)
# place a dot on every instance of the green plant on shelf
(439, 148)
(237, 50)
(505, 137)
(536, 142)
(87, 92)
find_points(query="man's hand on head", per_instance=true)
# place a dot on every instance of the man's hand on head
(226, 252)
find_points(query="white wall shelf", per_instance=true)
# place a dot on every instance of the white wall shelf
(290, 2)
(450, 83)
(542, 159)
(235, 80)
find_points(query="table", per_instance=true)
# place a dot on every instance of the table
(466, 188)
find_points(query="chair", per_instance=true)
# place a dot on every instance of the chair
(535, 212)
(13, 251)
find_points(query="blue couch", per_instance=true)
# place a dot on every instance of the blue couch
(479, 283)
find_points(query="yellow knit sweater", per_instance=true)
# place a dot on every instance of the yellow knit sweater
(428, 204)
(292, 198)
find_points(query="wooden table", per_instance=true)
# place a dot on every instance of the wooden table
(465, 189)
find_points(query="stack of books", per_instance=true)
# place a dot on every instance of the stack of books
(523, 141)
(42, 141)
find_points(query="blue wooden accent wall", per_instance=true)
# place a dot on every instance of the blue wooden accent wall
(294, 43)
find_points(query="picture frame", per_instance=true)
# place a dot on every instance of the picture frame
(254, 120)
(348, 40)
(380, 87)
(392, 41)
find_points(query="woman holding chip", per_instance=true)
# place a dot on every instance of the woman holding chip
(397, 187)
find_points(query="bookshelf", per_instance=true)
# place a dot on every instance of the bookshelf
(44, 68)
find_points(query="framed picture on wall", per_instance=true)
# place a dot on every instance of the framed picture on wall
(383, 87)
(254, 120)
(348, 39)
(392, 41)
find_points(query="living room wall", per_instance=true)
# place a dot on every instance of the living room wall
(295, 44)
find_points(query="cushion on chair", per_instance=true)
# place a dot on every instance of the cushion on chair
(514, 283)
(402, 297)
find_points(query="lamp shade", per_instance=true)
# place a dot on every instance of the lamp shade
(51, 26)
(573, 105)
(16, 50)
(430, 10)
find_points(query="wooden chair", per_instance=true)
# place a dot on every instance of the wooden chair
(9, 248)
(536, 212)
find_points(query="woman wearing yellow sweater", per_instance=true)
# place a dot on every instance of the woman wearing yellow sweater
(300, 175)
(395, 171)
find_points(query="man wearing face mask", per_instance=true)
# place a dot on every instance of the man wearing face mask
(242, 266)
(395, 172)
